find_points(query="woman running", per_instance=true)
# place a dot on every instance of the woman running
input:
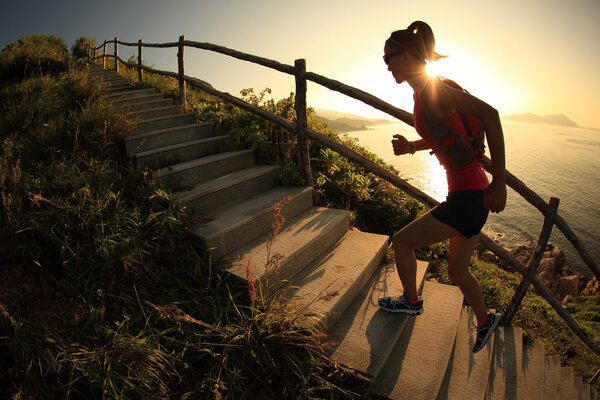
(439, 117)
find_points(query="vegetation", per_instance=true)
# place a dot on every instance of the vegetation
(33, 55)
(377, 206)
(79, 50)
(105, 294)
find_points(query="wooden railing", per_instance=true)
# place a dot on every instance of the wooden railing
(548, 210)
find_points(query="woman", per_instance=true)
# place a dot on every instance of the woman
(471, 195)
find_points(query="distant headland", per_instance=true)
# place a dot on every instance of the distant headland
(554, 119)
(345, 122)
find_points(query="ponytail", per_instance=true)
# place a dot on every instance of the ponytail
(418, 39)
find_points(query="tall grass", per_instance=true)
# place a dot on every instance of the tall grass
(105, 293)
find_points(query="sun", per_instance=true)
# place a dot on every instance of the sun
(434, 68)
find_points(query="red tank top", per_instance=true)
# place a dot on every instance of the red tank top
(469, 177)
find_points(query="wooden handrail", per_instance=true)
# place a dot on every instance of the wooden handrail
(548, 210)
(533, 264)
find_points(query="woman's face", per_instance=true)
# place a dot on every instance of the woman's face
(399, 62)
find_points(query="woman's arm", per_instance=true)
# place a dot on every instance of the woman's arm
(403, 146)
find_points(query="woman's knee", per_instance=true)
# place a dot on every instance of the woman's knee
(460, 277)
(400, 241)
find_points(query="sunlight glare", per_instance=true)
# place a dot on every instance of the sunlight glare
(433, 177)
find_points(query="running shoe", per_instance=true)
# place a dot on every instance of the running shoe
(400, 304)
(484, 332)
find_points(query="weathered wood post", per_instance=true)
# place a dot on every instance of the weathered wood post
(104, 55)
(533, 263)
(140, 70)
(181, 70)
(301, 122)
(117, 54)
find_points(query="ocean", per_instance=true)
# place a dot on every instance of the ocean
(551, 160)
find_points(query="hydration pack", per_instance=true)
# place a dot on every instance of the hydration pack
(453, 148)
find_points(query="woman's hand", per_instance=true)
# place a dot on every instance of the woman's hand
(494, 197)
(401, 145)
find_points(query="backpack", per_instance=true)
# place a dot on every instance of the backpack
(452, 147)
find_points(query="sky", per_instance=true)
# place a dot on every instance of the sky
(520, 56)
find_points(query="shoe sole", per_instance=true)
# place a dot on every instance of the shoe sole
(409, 312)
(489, 334)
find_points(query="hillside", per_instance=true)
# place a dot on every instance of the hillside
(345, 122)
(553, 119)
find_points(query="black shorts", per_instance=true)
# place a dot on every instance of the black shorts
(464, 211)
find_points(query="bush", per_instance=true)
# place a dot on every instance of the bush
(33, 55)
(81, 46)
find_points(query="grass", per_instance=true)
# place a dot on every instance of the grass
(378, 207)
(103, 291)
(105, 294)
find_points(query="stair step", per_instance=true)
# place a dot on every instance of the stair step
(297, 244)
(119, 88)
(533, 369)
(579, 388)
(566, 383)
(419, 359)
(156, 112)
(160, 102)
(170, 121)
(186, 151)
(152, 140)
(331, 283)
(366, 335)
(114, 78)
(203, 169)
(229, 189)
(114, 81)
(130, 94)
(467, 375)
(121, 103)
(234, 227)
(506, 363)
(552, 375)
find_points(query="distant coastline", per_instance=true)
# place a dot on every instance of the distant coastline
(344, 122)
(553, 119)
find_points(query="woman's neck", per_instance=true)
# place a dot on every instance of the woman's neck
(418, 80)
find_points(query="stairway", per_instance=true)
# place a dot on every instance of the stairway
(341, 273)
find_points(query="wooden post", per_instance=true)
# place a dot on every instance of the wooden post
(181, 71)
(533, 264)
(117, 54)
(301, 122)
(104, 55)
(140, 70)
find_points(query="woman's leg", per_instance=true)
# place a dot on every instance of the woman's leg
(461, 250)
(421, 232)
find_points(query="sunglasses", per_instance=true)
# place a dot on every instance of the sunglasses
(388, 57)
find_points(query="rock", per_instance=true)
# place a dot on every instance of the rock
(568, 285)
(592, 287)
(548, 266)
(489, 256)
(547, 278)
(567, 299)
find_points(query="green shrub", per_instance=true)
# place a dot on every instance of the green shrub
(81, 46)
(33, 55)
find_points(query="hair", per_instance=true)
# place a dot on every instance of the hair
(418, 39)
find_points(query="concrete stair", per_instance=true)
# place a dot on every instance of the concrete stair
(333, 271)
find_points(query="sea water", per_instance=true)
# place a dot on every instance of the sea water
(551, 160)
